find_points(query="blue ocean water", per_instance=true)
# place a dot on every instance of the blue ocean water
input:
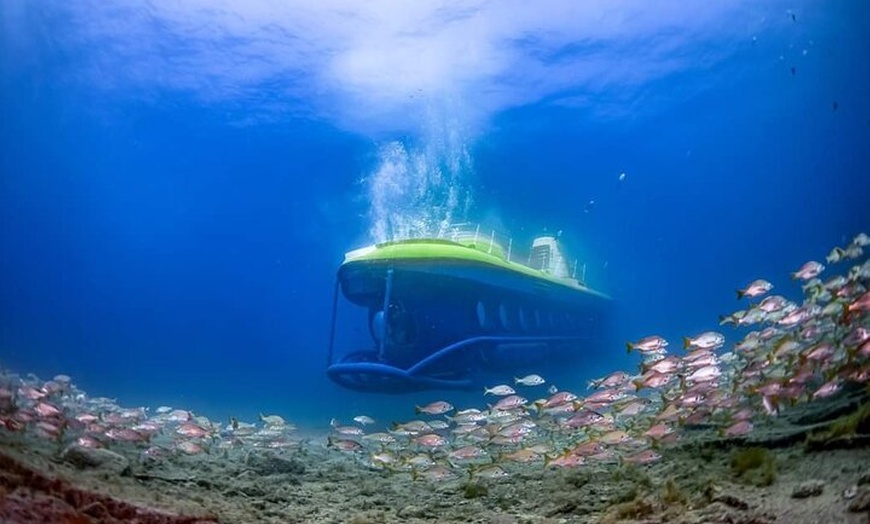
(180, 183)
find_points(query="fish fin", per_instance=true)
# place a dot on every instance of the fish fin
(740, 294)
(417, 410)
(628, 347)
(687, 342)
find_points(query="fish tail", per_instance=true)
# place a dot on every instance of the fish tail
(687, 342)
(628, 347)
(740, 294)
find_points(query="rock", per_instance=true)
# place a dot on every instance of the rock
(850, 492)
(810, 488)
(861, 502)
(100, 459)
(271, 464)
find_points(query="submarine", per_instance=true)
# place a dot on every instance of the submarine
(447, 312)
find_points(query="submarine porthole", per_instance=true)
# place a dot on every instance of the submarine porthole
(504, 316)
(376, 325)
(482, 318)
(524, 318)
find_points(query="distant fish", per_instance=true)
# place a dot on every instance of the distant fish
(436, 408)
(650, 344)
(644, 457)
(364, 420)
(738, 429)
(272, 420)
(343, 444)
(808, 271)
(755, 288)
(706, 340)
(499, 391)
(529, 380)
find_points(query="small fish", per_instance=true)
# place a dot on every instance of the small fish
(650, 344)
(658, 431)
(500, 390)
(861, 240)
(466, 453)
(738, 429)
(124, 435)
(646, 456)
(828, 389)
(343, 444)
(431, 440)
(192, 430)
(706, 340)
(364, 420)
(808, 271)
(565, 460)
(773, 303)
(754, 289)
(614, 380)
(383, 438)
(523, 456)
(436, 408)
(861, 303)
(614, 437)
(529, 380)
(46, 410)
(272, 420)
(508, 403)
(705, 374)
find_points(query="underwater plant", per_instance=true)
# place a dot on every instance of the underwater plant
(755, 466)
(672, 495)
(473, 490)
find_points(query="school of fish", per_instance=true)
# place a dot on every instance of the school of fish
(794, 352)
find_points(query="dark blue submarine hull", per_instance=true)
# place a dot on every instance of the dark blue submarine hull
(451, 323)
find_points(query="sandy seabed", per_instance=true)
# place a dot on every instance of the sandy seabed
(701, 479)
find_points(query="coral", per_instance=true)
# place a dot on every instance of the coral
(755, 466)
